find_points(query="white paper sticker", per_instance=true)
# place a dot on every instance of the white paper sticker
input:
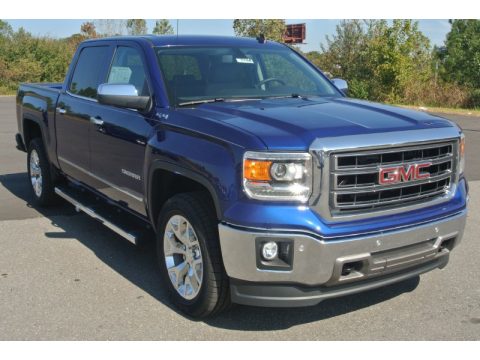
(120, 74)
(244, 60)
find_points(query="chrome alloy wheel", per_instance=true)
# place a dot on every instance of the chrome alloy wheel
(35, 173)
(183, 257)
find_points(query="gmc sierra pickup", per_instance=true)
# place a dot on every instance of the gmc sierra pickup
(260, 182)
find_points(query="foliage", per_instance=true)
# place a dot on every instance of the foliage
(461, 58)
(137, 26)
(272, 29)
(389, 62)
(88, 30)
(25, 58)
(382, 60)
(163, 27)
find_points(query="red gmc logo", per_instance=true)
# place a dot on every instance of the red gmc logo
(393, 175)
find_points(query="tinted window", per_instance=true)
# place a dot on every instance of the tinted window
(203, 73)
(127, 68)
(285, 69)
(88, 72)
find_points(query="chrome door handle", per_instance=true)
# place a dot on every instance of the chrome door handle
(96, 121)
(61, 110)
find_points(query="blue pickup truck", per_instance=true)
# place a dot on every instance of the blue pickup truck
(258, 179)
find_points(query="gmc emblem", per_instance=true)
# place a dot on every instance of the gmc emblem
(393, 175)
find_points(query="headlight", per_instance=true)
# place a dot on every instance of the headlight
(461, 154)
(277, 176)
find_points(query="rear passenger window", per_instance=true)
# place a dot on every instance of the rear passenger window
(127, 68)
(86, 76)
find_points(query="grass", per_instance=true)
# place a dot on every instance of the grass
(433, 109)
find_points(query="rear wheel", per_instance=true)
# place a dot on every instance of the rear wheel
(39, 173)
(189, 255)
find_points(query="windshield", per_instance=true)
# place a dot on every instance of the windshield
(227, 73)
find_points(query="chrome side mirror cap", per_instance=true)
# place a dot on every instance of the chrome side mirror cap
(122, 95)
(341, 85)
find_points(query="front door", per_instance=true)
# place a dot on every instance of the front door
(118, 136)
(74, 108)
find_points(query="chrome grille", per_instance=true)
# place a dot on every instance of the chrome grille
(354, 177)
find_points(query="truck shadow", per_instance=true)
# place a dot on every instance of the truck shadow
(138, 265)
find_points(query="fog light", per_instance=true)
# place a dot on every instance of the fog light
(270, 250)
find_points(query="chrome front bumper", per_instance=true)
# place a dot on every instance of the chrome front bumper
(321, 263)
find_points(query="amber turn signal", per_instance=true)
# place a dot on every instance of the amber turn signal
(257, 170)
(462, 146)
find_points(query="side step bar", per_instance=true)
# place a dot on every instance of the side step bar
(99, 210)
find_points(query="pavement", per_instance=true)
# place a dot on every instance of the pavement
(64, 276)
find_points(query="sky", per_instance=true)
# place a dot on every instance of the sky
(435, 30)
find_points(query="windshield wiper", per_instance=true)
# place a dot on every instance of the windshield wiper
(293, 95)
(204, 101)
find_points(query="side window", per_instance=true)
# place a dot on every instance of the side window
(127, 68)
(86, 76)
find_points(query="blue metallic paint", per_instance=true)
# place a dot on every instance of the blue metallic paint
(207, 143)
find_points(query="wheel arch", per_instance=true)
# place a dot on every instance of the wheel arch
(166, 179)
(31, 130)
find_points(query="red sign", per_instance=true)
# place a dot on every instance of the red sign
(295, 34)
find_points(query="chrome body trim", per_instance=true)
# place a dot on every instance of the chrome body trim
(117, 89)
(318, 262)
(137, 198)
(323, 149)
(80, 207)
(81, 97)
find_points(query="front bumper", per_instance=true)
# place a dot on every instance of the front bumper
(319, 266)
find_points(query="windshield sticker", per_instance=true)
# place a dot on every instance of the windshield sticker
(244, 60)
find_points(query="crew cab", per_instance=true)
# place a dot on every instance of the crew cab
(258, 179)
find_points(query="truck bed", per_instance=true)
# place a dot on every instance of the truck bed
(36, 102)
(52, 86)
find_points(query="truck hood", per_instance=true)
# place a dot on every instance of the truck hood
(295, 123)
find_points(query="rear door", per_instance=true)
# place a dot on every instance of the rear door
(74, 109)
(118, 136)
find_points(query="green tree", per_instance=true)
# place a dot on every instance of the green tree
(5, 29)
(381, 60)
(137, 26)
(344, 51)
(273, 29)
(462, 53)
(163, 27)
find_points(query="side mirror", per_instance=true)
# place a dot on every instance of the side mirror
(341, 85)
(121, 95)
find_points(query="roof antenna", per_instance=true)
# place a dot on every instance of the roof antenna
(261, 39)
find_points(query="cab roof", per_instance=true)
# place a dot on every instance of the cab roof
(192, 40)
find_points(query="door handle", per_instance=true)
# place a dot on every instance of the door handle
(96, 121)
(61, 110)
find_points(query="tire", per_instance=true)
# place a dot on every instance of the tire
(39, 174)
(213, 294)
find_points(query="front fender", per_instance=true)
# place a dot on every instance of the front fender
(206, 160)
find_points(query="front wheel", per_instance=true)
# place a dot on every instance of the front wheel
(189, 255)
(39, 173)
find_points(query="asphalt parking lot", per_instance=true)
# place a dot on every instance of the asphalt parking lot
(64, 276)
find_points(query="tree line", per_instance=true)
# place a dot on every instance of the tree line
(394, 61)
(388, 61)
(28, 58)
